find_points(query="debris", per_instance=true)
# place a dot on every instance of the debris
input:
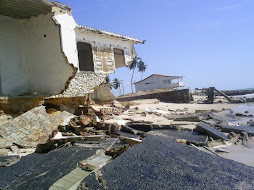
(31, 128)
(14, 149)
(130, 141)
(231, 135)
(237, 129)
(221, 150)
(221, 118)
(3, 152)
(141, 126)
(211, 151)
(193, 118)
(205, 128)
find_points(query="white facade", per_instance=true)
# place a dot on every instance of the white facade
(158, 82)
(39, 55)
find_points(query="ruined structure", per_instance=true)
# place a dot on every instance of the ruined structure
(43, 52)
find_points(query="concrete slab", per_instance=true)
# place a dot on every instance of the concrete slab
(205, 128)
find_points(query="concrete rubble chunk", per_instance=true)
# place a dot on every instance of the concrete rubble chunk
(205, 128)
(5, 143)
(33, 127)
(191, 137)
(141, 126)
(194, 117)
(237, 129)
(3, 152)
(221, 117)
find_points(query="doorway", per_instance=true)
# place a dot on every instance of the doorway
(85, 56)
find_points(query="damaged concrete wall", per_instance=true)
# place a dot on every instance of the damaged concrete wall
(39, 55)
(31, 58)
(83, 83)
(49, 69)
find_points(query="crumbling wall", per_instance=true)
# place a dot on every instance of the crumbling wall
(32, 62)
(83, 83)
(49, 67)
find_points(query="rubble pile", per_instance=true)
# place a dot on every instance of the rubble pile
(104, 134)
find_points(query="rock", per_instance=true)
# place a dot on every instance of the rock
(14, 149)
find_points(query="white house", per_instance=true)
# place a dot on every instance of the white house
(44, 52)
(156, 81)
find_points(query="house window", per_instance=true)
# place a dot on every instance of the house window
(119, 58)
(85, 57)
(164, 81)
(169, 81)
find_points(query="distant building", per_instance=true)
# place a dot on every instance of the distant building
(156, 81)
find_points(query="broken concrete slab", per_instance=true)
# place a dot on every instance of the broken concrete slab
(141, 126)
(42, 170)
(237, 129)
(193, 118)
(130, 130)
(191, 137)
(221, 117)
(205, 128)
(33, 127)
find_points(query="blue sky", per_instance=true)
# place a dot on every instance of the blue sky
(210, 42)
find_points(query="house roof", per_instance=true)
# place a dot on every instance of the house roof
(170, 77)
(111, 34)
(24, 9)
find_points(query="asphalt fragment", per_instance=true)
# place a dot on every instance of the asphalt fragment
(162, 163)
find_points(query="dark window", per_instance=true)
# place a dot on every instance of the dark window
(119, 58)
(85, 57)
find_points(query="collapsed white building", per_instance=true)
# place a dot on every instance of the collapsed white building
(44, 52)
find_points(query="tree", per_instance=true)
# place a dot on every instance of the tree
(133, 66)
(141, 67)
(108, 81)
(116, 84)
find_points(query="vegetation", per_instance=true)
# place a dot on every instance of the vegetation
(141, 66)
(116, 85)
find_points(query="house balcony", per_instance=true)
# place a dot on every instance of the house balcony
(176, 85)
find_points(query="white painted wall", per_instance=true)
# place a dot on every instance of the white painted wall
(29, 61)
(13, 59)
(68, 37)
(156, 82)
(49, 69)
